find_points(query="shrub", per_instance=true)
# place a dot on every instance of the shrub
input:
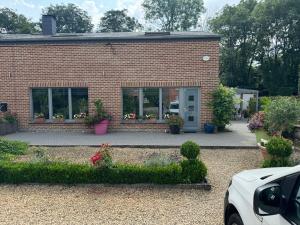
(10, 118)
(175, 120)
(190, 150)
(75, 173)
(222, 104)
(264, 102)
(279, 147)
(281, 114)
(257, 121)
(252, 106)
(277, 163)
(12, 147)
(193, 171)
(99, 116)
(102, 158)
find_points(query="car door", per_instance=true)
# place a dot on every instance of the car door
(292, 214)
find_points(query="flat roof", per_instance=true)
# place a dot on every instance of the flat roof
(105, 37)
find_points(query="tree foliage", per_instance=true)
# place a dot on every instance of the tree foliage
(173, 15)
(118, 21)
(15, 23)
(260, 45)
(70, 18)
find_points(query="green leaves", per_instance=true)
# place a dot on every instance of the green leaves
(222, 104)
(175, 15)
(118, 21)
(70, 18)
(281, 114)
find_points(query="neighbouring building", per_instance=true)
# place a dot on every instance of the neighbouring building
(147, 75)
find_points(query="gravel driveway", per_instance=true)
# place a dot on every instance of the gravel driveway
(96, 204)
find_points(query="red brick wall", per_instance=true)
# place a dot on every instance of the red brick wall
(104, 69)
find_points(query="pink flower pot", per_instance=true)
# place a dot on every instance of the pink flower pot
(101, 128)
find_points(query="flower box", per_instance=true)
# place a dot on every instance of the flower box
(8, 128)
(58, 120)
(39, 120)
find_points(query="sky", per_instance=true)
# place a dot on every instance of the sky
(96, 8)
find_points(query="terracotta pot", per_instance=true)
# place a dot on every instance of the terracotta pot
(39, 120)
(264, 152)
(102, 127)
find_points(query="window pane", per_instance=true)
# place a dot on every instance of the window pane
(170, 101)
(60, 102)
(151, 103)
(40, 101)
(79, 100)
(130, 102)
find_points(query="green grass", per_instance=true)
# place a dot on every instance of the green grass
(262, 134)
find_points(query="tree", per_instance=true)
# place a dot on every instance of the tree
(173, 15)
(70, 18)
(239, 44)
(260, 45)
(15, 23)
(118, 21)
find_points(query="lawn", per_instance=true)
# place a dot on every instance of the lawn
(262, 134)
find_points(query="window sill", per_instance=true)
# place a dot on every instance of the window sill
(143, 122)
(52, 122)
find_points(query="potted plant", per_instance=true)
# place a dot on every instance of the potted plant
(175, 123)
(209, 128)
(58, 118)
(130, 117)
(151, 117)
(100, 120)
(39, 118)
(79, 118)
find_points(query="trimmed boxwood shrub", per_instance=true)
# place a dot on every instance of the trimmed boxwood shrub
(190, 150)
(193, 171)
(66, 173)
(279, 147)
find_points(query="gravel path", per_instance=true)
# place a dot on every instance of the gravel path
(96, 204)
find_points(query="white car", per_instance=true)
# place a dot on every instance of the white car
(268, 196)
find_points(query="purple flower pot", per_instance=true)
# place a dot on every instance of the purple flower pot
(101, 128)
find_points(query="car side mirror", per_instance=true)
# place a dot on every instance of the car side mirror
(267, 200)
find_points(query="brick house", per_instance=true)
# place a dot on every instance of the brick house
(148, 74)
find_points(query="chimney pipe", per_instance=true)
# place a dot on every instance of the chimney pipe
(48, 25)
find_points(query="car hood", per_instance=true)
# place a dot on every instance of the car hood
(259, 174)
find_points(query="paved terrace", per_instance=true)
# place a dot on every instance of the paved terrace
(238, 137)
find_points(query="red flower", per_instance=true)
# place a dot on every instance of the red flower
(96, 158)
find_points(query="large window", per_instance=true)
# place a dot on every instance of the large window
(40, 102)
(150, 103)
(56, 101)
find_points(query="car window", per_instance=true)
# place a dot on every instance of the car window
(293, 211)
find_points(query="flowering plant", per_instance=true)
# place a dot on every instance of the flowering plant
(102, 158)
(39, 115)
(58, 116)
(256, 121)
(130, 116)
(80, 116)
(150, 116)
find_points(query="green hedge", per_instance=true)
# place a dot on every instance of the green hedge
(66, 173)
(12, 147)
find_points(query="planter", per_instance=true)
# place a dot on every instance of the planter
(101, 128)
(264, 152)
(174, 129)
(209, 128)
(8, 128)
(39, 120)
(297, 132)
(60, 120)
(79, 120)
